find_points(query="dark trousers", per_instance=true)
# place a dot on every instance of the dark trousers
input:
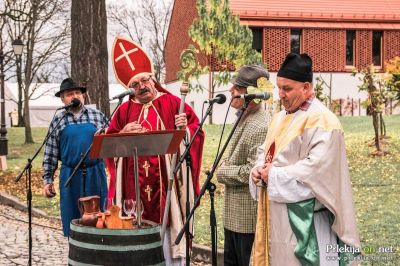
(237, 248)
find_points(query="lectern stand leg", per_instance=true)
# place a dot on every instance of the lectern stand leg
(137, 187)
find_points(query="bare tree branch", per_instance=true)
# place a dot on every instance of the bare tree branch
(127, 20)
(44, 28)
(147, 25)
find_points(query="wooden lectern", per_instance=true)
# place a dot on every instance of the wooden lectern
(149, 143)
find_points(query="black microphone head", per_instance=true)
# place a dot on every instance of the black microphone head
(75, 102)
(221, 98)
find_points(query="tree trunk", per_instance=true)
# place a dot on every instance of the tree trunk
(210, 84)
(210, 94)
(30, 45)
(27, 84)
(20, 103)
(89, 55)
(382, 126)
(27, 120)
(375, 121)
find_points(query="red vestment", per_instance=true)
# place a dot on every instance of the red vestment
(153, 173)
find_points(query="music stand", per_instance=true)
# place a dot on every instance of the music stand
(137, 144)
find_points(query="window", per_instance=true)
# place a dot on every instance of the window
(350, 37)
(257, 39)
(377, 48)
(295, 41)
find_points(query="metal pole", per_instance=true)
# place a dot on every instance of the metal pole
(29, 196)
(184, 91)
(211, 188)
(137, 188)
(3, 130)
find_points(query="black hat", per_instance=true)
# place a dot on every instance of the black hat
(248, 76)
(69, 84)
(297, 67)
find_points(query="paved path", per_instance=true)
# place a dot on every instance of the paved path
(50, 247)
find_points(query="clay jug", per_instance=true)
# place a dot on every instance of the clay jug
(113, 221)
(89, 208)
(127, 222)
(101, 217)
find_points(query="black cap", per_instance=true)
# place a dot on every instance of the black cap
(69, 84)
(297, 67)
(248, 76)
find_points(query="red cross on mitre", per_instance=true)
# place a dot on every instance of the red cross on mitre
(129, 60)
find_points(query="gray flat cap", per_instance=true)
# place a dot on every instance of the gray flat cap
(248, 76)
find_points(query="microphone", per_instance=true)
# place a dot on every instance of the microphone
(219, 98)
(74, 103)
(249, 97)
(123, 94)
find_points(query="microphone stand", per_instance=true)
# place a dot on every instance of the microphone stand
(188, 160)
(186, 156)
(28, 170)
(208, 185)
(83, 155)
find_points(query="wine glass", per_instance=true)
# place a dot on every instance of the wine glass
(135, 209)
(108, 203)
(129, 206)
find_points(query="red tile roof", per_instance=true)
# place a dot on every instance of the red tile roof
(387, 11)
(325, 25)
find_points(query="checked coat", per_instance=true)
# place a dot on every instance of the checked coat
(240, 210)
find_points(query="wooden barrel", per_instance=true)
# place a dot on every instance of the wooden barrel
(93, 246)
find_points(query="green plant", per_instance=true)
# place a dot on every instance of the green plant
(393, 77)
(378, 94)
(319, 88)
(226, 44)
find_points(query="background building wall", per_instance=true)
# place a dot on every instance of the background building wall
(276, 47)
(363, 51)
(391, 44)
(323, 34)
(327, 48)
(344, 86)
(178, 39)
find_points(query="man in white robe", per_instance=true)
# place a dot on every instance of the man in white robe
(306, 211)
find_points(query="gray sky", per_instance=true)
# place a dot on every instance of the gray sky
(111, 33)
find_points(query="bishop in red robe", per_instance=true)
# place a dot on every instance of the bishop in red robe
(151, 108)
(157, 114)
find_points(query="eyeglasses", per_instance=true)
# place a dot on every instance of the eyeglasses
(136, 85)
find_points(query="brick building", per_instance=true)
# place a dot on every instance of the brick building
(338, 34)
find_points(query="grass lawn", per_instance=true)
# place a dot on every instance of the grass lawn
(376, 183)
(376, 186)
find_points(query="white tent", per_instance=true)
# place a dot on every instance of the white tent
(43, 103)
(10, 104)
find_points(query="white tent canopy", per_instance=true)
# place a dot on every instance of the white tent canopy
(43, 103)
